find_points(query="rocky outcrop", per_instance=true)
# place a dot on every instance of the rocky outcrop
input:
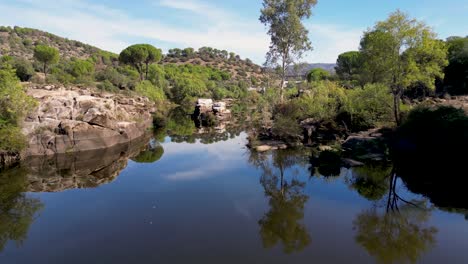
(77, 120)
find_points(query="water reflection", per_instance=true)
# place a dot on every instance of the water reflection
(283, 222)
(371, 181)
(398, 231)
(183, 128)
(17, 211)
(152, 153)
(88, 169)
(396, 236)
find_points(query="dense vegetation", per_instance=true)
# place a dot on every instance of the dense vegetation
(14, 105)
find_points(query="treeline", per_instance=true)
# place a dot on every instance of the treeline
(399, 59)
(205, 53)
(356, 68)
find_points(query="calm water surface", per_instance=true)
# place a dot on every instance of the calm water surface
(218, 203)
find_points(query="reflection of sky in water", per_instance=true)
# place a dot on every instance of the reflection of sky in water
(202, 204)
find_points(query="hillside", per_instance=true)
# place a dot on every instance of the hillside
(20, 42)
(222, 60)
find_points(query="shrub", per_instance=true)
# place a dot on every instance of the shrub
(24, 69)
(106, 85)
(323, 102)
(285, 127)
(14, 105)
(369, 107)
(318, 74)
(146, 88)
(82, 69)
(14, 102)
(11, 138)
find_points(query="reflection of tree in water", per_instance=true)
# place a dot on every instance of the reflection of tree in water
(152, 153)
(16, 210)
(282, 223)
(395, 237)
(400, 233)
(371, 181)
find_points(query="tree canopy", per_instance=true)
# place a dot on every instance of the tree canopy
(348, 65)
(456, 73)
(141, 56)
(289, 37)
(401, 52)
(318, 74)
(46, 55)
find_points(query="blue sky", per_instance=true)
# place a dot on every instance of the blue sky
(336, 26)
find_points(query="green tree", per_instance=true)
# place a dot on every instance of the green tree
(348, 65)
(318, 74)
(47, 56)
(401, 52)
(456, 73)
(141, 56)
(289, 37)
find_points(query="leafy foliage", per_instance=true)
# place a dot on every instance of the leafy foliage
(46, 55)
(318, 74)
(14, 105)
(401, 52)
(289, 37)
(456, 73)
(141, 56)
(146, 88)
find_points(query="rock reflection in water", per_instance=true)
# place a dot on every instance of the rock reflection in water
(87, 169)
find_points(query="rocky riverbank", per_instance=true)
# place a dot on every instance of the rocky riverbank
(69, 120)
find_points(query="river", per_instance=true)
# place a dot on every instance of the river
(215, 201)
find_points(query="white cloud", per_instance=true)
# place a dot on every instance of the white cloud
(114, 29)
(330, 40)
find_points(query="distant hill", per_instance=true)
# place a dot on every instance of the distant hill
(240, 69)
(20, 42)
(303, 69)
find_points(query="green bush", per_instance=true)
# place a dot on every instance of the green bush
(82, 69)
(11, 138)
(14, 105)
(24, 69)
(370, 106)
(14, 102)
(146, 88)
(107, 86)
(323, 102)
(318, 74)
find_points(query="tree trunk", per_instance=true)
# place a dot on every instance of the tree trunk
(396, 106)
(45, 70)
(147, 66)
(283, 79)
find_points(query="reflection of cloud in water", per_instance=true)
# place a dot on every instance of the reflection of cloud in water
(208, 160)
